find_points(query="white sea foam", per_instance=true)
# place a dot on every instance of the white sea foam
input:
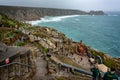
(51, 19)
(33, 22)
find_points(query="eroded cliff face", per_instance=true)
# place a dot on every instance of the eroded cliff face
(33, 13)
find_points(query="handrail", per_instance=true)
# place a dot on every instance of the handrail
(100, 59)
(15, 63)
(73, 68)
(77, 69)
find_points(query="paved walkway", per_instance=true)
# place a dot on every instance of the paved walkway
(41, 69)
(41, 64)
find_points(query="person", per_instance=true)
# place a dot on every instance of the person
(95, 73)
(110, 75)
(80, 48)
(0, 24)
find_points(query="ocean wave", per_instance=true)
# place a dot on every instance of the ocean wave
(33, 22)
(77, 19)
(51, 19)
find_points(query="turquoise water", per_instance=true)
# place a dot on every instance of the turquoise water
(99, 32)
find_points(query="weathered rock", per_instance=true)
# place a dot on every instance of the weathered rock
(103, 68)
(31, 38)
(46, 43)
(54, 34)
(3, 47)
(51, 71)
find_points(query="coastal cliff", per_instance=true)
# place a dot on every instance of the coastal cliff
(34, 13)
(57, 56)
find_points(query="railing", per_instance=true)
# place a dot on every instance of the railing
(77, 69)
(15, 63)
(14, 69)
(73, 68)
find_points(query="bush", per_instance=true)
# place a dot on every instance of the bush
(109, 63)
(20, 44)
(17, 31)
(0, 17)
(45, 50)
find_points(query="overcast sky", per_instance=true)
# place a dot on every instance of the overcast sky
(106, 5)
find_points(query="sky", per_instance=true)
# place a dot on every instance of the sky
(86, 5)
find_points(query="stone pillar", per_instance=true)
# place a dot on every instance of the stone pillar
(68, 70)
(22, 67)
(11, 71)
(26, 62)
(72, 70)
(0, 74)
(28, 59)
(19, 65)
(59, 66)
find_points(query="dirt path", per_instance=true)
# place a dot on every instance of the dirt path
(41, 69)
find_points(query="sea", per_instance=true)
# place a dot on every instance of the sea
(100, 32)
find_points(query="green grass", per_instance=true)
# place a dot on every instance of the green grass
(110, 63)
(20, 43)
(107, 60)
(68, 61)
(7, 22)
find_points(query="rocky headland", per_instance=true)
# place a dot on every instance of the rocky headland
(35, 13)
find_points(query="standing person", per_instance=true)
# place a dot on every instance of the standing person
(0, 24)
(110, 75)
(96, 73)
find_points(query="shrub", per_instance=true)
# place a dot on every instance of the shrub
(45, 50)
(0, 17)
(109, 63)
(20, 44)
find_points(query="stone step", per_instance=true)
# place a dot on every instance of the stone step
(40, 78)
(41, 69)
(37, 50)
